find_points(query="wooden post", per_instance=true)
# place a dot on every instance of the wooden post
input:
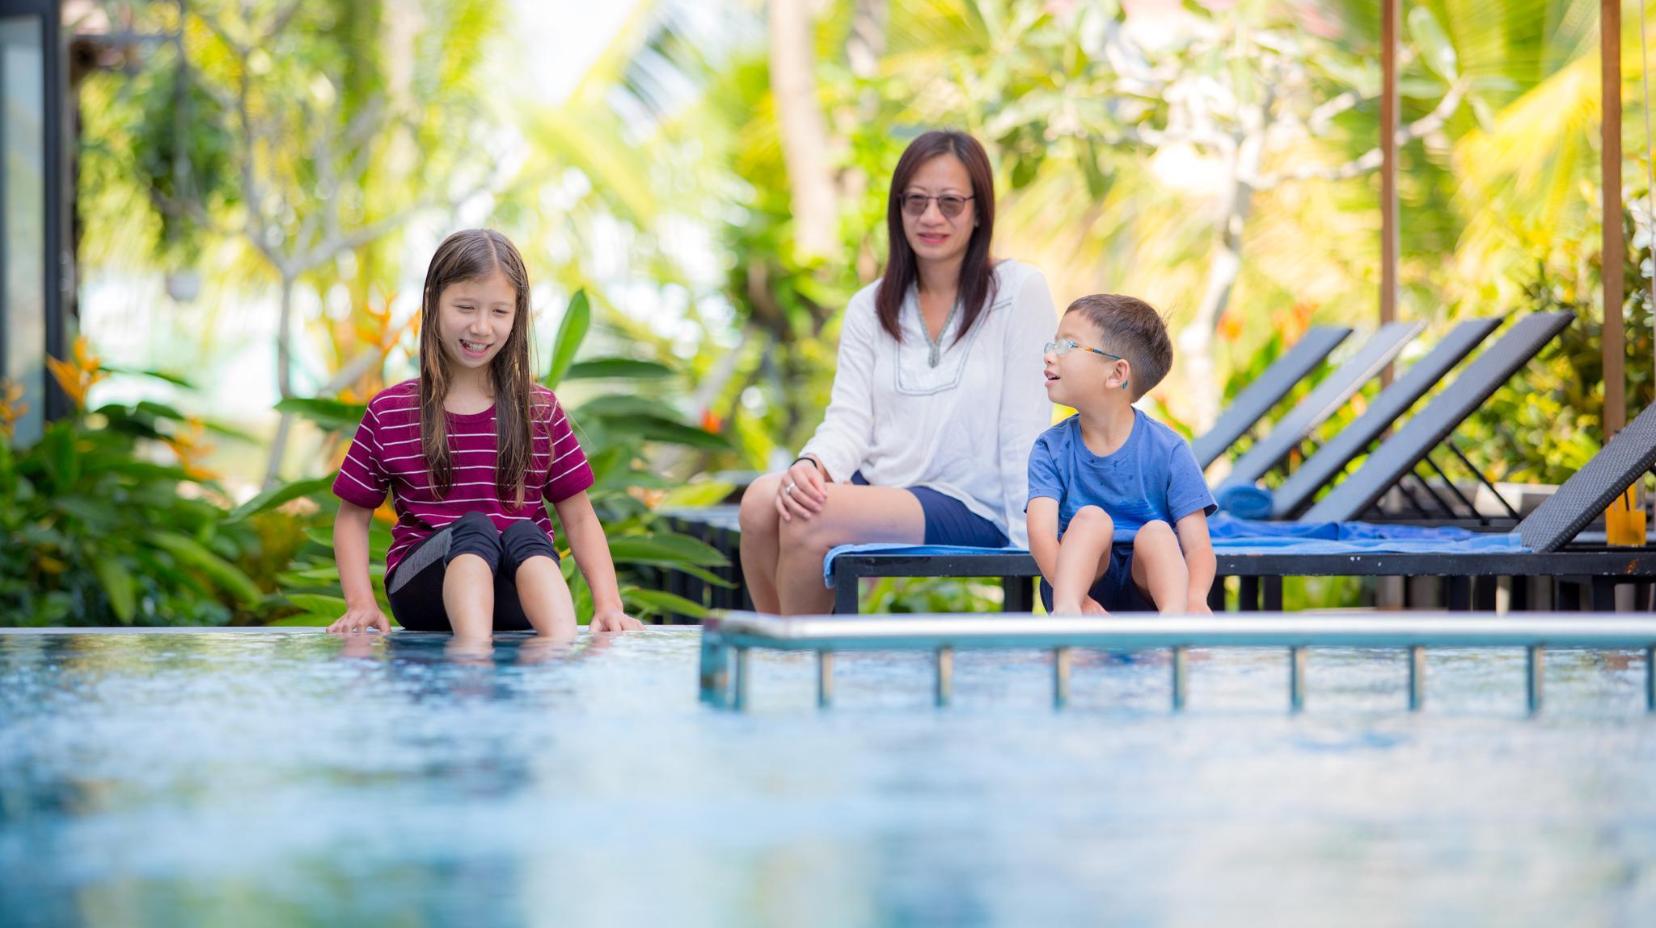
(1614, 250)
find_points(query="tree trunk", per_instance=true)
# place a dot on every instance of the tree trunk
(803, 127)
(284, 379)
(1196, 339)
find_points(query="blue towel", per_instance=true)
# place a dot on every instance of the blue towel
(1248, 536)
(1246, 501)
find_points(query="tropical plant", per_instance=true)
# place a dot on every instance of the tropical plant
(109, 518)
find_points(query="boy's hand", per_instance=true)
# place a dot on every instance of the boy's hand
(361, 619)
(614, 620)
(802, 491)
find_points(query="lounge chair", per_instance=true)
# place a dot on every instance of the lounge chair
(1268, 389)
(1327, 462)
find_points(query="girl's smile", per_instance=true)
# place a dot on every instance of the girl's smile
(475, 319)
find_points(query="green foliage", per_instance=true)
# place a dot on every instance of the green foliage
(1545, 424)
(99, 533)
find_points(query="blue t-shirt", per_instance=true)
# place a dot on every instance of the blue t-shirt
(1153, 475)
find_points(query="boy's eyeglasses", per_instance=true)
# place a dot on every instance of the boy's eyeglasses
(949, 204)
(1064, 346)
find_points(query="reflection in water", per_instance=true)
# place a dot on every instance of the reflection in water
(289, 777)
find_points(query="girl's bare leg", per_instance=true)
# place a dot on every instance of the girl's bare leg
(468, 598)
(546, 599)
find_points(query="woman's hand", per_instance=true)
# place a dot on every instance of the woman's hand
(361, 619)
(802, 492)
(614, 620)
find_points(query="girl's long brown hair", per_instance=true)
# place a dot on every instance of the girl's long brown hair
(977, 279)
(470, 255)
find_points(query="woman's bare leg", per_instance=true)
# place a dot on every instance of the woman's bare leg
(852, 515)
(761, 542)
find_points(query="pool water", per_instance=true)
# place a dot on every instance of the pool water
(289, 778)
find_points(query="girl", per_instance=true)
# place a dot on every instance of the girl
(467, 451)
(937, 398)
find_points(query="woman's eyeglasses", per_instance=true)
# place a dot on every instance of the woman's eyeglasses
(949, 204)
(1064, 346)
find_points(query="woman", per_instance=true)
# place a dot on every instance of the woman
(937, 398)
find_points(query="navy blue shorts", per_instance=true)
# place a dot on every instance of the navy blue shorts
(1115, 591)
(948, 521)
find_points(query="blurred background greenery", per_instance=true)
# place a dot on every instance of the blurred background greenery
(260, 185)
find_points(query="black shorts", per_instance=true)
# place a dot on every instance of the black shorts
(415, 588)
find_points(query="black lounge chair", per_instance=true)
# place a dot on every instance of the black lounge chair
(1327, 462)
(1548, 533)
(1426, 430)
(1258, 398)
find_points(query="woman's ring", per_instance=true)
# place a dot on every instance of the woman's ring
(788, 489)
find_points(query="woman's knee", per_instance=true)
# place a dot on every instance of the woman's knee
(758, 508)
(812, 534)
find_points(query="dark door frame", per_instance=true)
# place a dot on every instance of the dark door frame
(55, 260)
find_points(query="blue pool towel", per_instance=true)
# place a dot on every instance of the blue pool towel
(1246, 501)
(1249, 536)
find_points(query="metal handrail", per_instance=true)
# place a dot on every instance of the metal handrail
(727, 637)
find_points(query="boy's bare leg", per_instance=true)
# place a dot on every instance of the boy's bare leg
(1083, 556)
(852, 515)
(1159, 567)
(546, 599)
(468, 598)
(761, 542)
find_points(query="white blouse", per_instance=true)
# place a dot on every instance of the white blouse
(963, 427)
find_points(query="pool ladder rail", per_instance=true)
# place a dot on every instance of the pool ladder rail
(728, 637)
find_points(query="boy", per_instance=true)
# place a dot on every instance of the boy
(1117, 506)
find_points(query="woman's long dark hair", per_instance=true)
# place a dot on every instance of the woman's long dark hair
(472, 254)
(977, 279)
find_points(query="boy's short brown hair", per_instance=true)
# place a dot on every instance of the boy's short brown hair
(1131, 328)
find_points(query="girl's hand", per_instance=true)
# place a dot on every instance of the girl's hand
(614, 620)
(361, 619)
(802, 491)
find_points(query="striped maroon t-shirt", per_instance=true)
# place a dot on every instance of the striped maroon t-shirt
(386, 455)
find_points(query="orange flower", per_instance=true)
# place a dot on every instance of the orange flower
(711, 422)
(1230, 326)
(76, 377)
(12, 407)
(188, 445)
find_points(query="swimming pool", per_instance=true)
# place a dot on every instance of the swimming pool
(284, 777)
